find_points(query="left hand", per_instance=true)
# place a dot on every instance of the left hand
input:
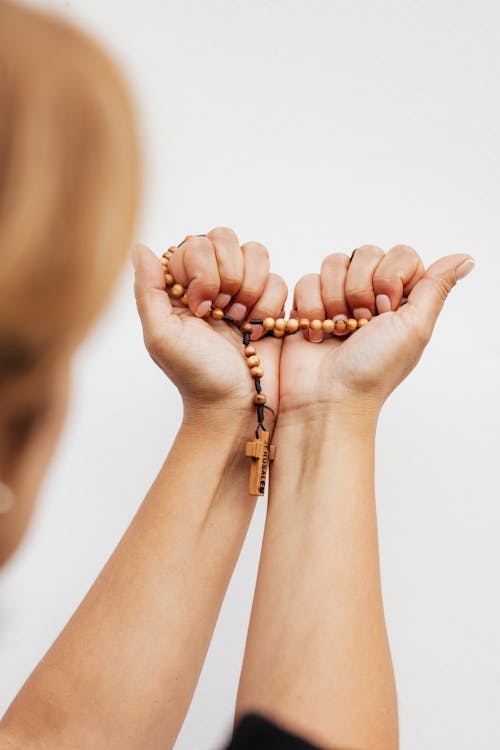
(362, 368)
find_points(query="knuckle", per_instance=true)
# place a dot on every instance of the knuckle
(222, 233)
(335, 259)
(385, 282)
(404, 250)
(208, 286)
(307, 278)
(368, 251)
(230, 282)
(256, 248)
(333, 301)
(194, 243)
(357, 293)
(279, 283)
(248, 293)
(443, 287)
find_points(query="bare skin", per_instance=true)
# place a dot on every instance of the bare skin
(134, 648)
(123, 671)
(317, 658)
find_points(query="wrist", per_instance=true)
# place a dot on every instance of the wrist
(347, 412)
(224, 417)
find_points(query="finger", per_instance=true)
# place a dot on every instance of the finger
(395, 276)
(270, 303)
(309, 304)
(428, 296)
(230, 263)
(256, 272)
(153, 303)
(359, 283)
(176, 262)
(201, 273)
(333, 277)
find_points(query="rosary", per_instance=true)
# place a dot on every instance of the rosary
(260, 450)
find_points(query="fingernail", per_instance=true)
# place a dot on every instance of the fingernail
(257, 332)
(362, 312)
(464, 268)
(222, 300)
(340, 316)
(316, 336)
(203, 308)
(383, 303)
(237, 311)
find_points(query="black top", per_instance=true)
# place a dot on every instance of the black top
(257, 733)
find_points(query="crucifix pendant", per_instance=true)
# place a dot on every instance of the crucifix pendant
(261, 452)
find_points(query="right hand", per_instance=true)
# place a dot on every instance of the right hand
(204, 358)
(363, 368)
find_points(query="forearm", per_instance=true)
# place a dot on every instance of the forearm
(123, 671)
(317, 657)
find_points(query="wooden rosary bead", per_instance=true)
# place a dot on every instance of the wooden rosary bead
(328, 326)
(278, 333)
(253, 361)
(217, 313)
(362, 322)
(169, 279)
(304, 324)
(268, 324)
(340, 326)
(249, 350)
(246, 328)
(184, 299)
(316, 325)
(257, 372)
(260, 398)
(177, 291)
(279, 324)
(352, 324)
(292, 325)
(164, 262)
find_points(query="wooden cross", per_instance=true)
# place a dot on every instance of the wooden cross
(261, 452)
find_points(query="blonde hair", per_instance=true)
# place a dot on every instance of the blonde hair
(69, 184)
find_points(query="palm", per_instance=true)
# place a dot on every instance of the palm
(215, 364)
(311, 372)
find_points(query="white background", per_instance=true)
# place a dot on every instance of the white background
(311, 126)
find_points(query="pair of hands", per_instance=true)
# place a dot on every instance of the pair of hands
(204, 358)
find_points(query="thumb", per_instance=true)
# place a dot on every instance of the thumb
(429, 294)
(153, 302)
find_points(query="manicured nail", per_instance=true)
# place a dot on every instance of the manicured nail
(203, 308)
(316, 336)
(257, 332)
(383, 303)
(464, 268)
(340, 316)
(222, 300)
(362, 312)
(237, 311)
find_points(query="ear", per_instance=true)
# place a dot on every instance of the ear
(25, 454)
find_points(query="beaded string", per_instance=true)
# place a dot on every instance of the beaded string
(278, 328)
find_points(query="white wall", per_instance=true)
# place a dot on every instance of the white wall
(310, 126)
